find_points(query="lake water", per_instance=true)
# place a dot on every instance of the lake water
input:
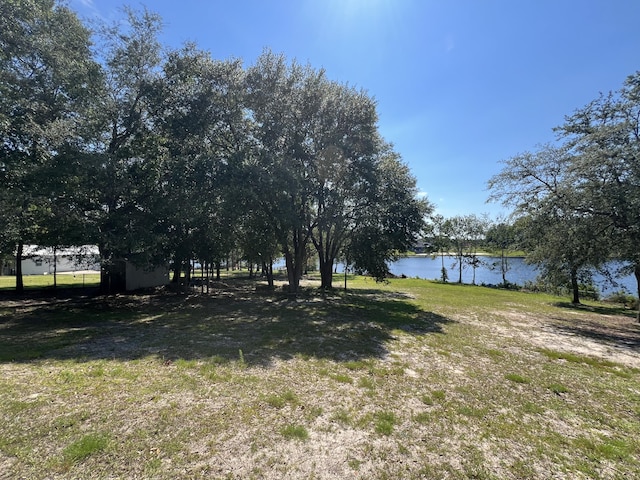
(489, 272)
(519, 272)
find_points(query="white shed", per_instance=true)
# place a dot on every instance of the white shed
(125, 275)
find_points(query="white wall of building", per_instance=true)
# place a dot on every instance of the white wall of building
(42, 261)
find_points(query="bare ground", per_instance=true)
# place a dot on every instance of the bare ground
(609, 337)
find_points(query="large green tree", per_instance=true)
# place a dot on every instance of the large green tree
(47, 81)
(595, 174)
(325, 175)
(126, 172)
(564, 238)
(345, 171)
(605, 136)
(198, 113)
(392, 222)
(283, 101)
(567, 247)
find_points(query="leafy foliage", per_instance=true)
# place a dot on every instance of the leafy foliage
(159, 155)
(47, 76)
(582, 198)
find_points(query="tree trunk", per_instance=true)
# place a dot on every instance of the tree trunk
(187, 273)
(503, 266)
(177, 270)
(326, 274)
(345, 275)
(326, 256)
(55, 268)
(293, 267)
(19, 280)
(473, 259)
(575, 287)
(207, 267)
(636, 272)
(268, 271)
(202, 277)
(294, 255)
(443, 270)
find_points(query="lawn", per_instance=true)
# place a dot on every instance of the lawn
(411, 379)
(63, 280)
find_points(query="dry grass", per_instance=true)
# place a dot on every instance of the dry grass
(408, 380)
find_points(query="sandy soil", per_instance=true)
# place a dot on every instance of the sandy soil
(612, 338)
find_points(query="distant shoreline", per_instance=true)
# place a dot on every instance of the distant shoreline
(453, 254)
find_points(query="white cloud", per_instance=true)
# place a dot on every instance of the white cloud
(87, 8)
(86, 5)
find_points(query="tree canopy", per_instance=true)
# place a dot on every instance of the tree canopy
(583, 195)
(164, 155)
(47, 80)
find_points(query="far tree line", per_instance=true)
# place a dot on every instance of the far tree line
(469, 239)
(161, 155)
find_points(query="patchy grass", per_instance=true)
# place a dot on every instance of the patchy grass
(84, 447)
(279, 401)
(384, 422)
(557, 388)
(295, 432)
(410, 379)
(572, 357)
(514, 377)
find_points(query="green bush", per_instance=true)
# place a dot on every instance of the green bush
(629, 301)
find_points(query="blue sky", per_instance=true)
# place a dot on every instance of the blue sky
(460, 84)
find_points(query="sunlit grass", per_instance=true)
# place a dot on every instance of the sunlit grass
(63, 280)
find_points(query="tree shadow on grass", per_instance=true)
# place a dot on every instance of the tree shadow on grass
(227, 325)
(612, 325)
(598, 309)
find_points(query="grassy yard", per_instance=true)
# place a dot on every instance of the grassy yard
(63, 280)
(412, 379)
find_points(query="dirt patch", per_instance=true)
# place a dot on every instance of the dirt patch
(613, 338)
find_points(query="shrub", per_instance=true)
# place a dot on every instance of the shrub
(627, 300)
